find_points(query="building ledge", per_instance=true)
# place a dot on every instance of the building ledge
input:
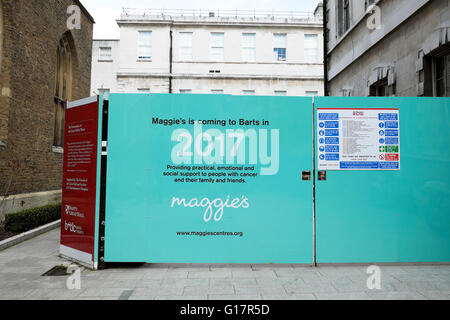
(216, 76)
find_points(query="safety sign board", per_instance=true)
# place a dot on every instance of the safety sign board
(358, 139)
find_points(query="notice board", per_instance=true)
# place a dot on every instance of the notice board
(80, 180)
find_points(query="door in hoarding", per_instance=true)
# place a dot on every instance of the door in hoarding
(209, 179)
(383, 193)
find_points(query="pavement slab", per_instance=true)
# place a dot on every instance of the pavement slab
(22, 267)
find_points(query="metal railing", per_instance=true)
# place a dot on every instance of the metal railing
(203, 13)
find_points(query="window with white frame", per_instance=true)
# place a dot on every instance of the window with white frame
(248, 92)
(186, 46)
(217, 46)
(279, 50)
(311, 47)
(249, 47)
(145, 45)
(280, 93)
(311, 93)
(105, 54)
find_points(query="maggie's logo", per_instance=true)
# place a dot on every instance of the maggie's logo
(358, 113)
(211, 205)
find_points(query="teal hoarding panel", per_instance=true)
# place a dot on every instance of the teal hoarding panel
(390, 216)
(250, 206)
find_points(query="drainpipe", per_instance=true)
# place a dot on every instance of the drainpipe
(170, 61)
(325, 49)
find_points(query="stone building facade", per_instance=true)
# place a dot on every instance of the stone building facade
(212, 52)
(387, 47)
(43, 61)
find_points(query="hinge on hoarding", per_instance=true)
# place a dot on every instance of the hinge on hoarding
(104, 148)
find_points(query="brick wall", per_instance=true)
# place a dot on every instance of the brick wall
(31, 34)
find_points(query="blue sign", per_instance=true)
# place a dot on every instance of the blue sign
(331, 133)
(359, 165)
(388, 116)
(391, 133)
(331, 140)
(391, 124)
(392, 141)
(328, 116)
(332, 157)
(332, 124)
(331, 148)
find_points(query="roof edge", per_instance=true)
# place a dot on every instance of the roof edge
(85, 11)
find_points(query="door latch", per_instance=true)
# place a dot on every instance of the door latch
(306, 175)
(322, 176)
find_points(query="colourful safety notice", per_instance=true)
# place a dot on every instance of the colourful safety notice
(358, 139)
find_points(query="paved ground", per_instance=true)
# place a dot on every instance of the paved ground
(21, 268)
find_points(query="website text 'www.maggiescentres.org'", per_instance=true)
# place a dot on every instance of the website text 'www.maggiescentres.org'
(210, 234)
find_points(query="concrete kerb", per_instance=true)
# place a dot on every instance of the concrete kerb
(7, 243)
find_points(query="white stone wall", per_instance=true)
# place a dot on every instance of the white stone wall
(261, 87)
(407, 28)
(104, 72)
(233, 75)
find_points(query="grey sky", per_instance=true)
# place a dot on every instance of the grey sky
(105, 12)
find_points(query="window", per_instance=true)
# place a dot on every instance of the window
(380, 88)
(248, 92)
(186, 46)
(217, 91)
(185, 90)
(346, 15)
(311, 93)
(249, 47)
(217, 40)
(441, 76)
(63, 88)
(145, 45)
(311, 48)
(104, 93)
(280, 93)
(279, 49)
(343, 14)
(105, 54)
(144, 90)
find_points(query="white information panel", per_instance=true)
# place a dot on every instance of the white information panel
(358, 139)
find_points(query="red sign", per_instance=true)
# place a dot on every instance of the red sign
(392, 157)
(79, 189)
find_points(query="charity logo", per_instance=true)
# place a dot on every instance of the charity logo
(213, 208)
